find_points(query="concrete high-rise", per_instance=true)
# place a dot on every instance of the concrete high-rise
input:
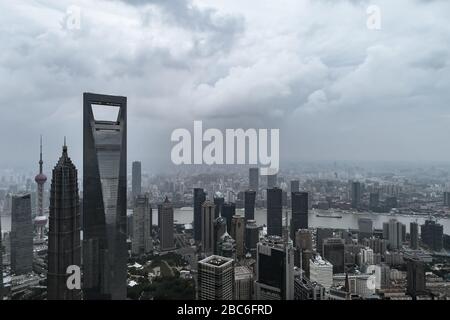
(415, 278)
(228, 211)
(374, 201)
(356, 194)
(64, 245)
(219, 200)
(254, 179)
(243, 283)
(215, 278)
(21, 235)
(251, 237)
(272, 181)
(207, 230)
(104, 197)
(136, 178)
(299, 212)
(142, 241)
(165, 224)
(274, 269)
(220, 228)
(414, 235)
(274, 212)
(199, 198)
(365, 227)
(249, 204)
(395, 234)
(295, 186)
(238, 234)
(334, 251)
(432, 235)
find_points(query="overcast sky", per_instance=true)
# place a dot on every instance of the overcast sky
(336, 89)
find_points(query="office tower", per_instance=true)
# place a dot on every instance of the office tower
(334, 251)
(254, 179)
(238, 233)
(199, 198)
(64, 246)
(274, 269)
(390, 203)
(374, 201)
(40, 179)
(274, 212)
(251, 237)
(243, 283)
(228, 211)
(432, 235)
(395, 234)
(365, 257)
(303, 249)
(21, 235)
(447, 199)
(415, 278)
(215, 278)
(414, 235)
(386, 230)
(295, 186)
(104, 197)
(321, 271)
(219, 200)
(321, 235)
(207, 230)
(356, 194)
(220, 228)
(249, 204)
(165, 224)
(142, 242)
(365, 227)
(272, 181)
(136, 177)
(299, 212)
(227, 246)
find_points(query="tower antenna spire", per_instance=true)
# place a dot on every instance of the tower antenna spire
(40, 157)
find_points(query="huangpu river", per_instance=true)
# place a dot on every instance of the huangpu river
(349, 220)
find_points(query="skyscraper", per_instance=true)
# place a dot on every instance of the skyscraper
(142, 242)
(64, 246)
(356, 194)
(104, 197)
(207, 228)
(395, 234)
(220, 228)
(414, 235)
(271, 181)
(415, 278)
(274, 212)
(295, 186)
(215, 278)
(334, 251)
(199, 198)
(299, 212)
(365, 227)
(432, 235)
(40, 179)
(274, 269)
(251, 237)
(249, 204)
(238, 234)
(243, 283)
(374, 201)
(321, 235)
(303, 249)
(136, 177)
(228, 211)
(21, 235)
(165, 224)
(219, 200)
(447, 198)
(254, 179)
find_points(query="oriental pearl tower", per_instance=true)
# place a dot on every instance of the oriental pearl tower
(41, 220)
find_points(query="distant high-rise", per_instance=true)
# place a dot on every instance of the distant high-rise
(447, 199)
(303, 249)
(1, 262)
(271, 181)
(251, 237)
(40, 179)
(219, 200)
(274, 212)
(374, 201)
(220, 228)
(136, 177)
(21, 235)
(356, 195)
(215, 278)
(395, 234)
(432, 235)
(104, 197)
(249, 204)
(243, 283)
(365, 227)
(142, 242)
(238, 234)
(165, 224)
(274, 269)
(334, 251)
(228, 211)
(299, 212)
(207, 228)
(414, 235)
(64, 245)
(415, 278)
(295, 186)
(321, 235)
(254, 179)
(199, 198)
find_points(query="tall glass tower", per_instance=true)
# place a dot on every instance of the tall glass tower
(104, 196)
